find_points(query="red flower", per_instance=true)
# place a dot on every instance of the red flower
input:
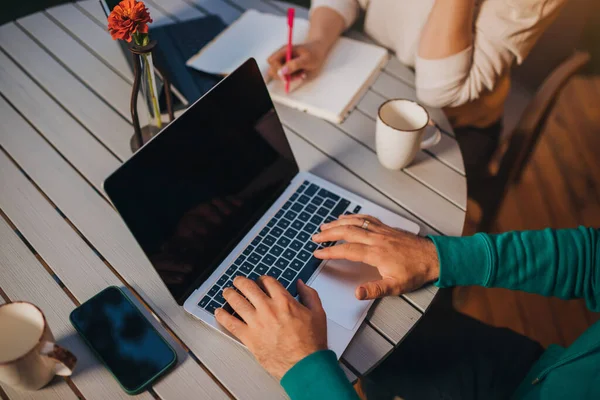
(127, 18)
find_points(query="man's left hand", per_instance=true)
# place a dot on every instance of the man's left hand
(276, 328)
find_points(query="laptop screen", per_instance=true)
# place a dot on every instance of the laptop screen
(193, 192)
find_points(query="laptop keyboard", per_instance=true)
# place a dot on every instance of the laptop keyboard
(283, 249)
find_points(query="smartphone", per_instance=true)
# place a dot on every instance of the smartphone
(123, 339)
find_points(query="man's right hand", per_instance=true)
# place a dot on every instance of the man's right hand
(276, 328)
(405, 261)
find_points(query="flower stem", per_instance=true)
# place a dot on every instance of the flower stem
(150, 88)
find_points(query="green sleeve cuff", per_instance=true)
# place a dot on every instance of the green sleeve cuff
(464, 261)
(318, 376)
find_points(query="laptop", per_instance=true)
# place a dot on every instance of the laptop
(218, 193)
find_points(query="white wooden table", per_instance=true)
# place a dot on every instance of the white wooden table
(65, 125)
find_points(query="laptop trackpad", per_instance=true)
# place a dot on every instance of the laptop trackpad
(336, 284)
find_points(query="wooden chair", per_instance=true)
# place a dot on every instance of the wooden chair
(517, 149)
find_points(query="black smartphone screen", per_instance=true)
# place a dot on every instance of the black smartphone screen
(123, 339)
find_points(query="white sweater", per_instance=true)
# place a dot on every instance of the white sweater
(474, 83)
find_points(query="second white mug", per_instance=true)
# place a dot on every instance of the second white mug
(399, 132)
(29, 357)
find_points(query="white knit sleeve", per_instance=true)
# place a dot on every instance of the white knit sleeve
(461, 77)
(348, 9)
(505, 32)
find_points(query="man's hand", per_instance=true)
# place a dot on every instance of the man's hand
(405, 261)
(277, 329)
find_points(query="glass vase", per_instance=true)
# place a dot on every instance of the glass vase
(150, 93)
(146, 114)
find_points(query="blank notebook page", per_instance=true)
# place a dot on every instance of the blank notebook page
(349, 70)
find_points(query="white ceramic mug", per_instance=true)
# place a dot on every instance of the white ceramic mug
(29, 358)
(399, 132)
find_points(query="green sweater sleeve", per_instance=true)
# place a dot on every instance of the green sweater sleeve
(563, 263)
(318, 376)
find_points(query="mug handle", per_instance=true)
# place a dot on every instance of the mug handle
(434, 139)
(65, 360)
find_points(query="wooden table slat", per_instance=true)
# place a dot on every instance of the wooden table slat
(421, 298)
(367, 349)
(222, 9)
(401, 71)
(24, 278)
(54, 391)
(97, 76)
(82, 25)
(431, 288)
(159, 17)
(59, 128)
(93, 9)
(179, 10)
(72, 94)
(369, 104)
(394, 317)
(300, 12)
(258, 5)
(85, 274)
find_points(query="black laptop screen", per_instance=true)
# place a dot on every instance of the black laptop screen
(194, 191)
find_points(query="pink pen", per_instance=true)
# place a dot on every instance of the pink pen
(288, 55)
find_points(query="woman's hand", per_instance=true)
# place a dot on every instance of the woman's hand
(405, 261)
(276, 328)
(326, 26)
(306, 60)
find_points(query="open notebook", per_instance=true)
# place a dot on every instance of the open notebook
(348, 72)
